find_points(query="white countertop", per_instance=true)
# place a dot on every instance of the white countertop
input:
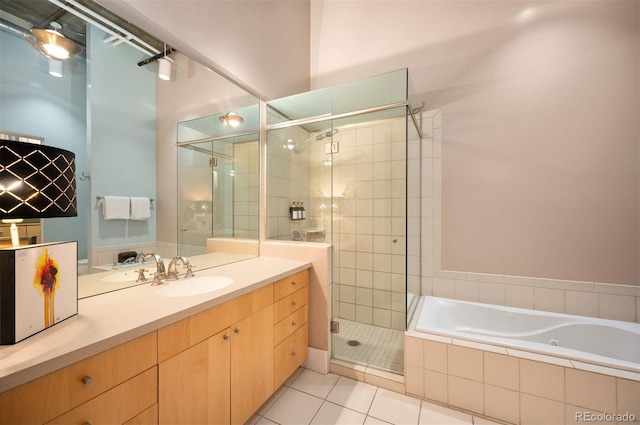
(107, 320)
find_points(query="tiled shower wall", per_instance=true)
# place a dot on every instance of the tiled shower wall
(594, 299)
(246, 188)
(369, 180)
(288, 176)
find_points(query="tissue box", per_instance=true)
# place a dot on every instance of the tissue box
(38, 288)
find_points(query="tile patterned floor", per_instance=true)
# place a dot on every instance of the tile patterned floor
(380, 348)
(310, 397)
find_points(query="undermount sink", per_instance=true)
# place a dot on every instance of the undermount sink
(194, 286)
(128, 275)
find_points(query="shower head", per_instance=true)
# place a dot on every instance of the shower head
(327, 134)
(300, 147)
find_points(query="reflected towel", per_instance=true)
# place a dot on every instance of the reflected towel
(115, 208)
(140, 209)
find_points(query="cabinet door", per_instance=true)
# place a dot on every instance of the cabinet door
(251, 364)
(194, 385)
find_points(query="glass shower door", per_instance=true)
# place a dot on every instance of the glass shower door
(370, 239)
(206, 190)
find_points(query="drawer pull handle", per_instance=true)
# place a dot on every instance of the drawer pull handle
(294, 323)
(236, 330)
(226, 337)
(87, 423)
(293, 283)
(293, 303)
(87, 381)
(293, 353)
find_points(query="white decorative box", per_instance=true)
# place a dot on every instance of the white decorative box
(38, 288)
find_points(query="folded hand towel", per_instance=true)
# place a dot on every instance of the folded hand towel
(115, 208)
(140, 208)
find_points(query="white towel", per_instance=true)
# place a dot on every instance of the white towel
(115, 208)
(140, 209)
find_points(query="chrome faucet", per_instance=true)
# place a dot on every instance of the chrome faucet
(172, 273)
(160, 272)
(140, 257)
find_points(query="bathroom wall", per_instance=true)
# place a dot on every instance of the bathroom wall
(535, 168)
(121, 122)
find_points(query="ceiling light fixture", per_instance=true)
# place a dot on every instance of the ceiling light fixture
(55, 68)
(164, 65)
(51, 43)
(164, 69)
(231, 119)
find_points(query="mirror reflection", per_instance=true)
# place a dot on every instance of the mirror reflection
(219, 182)
(107, 103)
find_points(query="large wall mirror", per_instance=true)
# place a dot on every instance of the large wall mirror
(106, 104)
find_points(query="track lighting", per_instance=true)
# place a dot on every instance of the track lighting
(164, 68)
(55, 68)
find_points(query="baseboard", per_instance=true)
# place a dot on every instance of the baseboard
(317, 360)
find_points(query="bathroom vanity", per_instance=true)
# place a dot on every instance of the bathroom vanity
(134, 357)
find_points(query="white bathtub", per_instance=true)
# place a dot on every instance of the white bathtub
(609, 343)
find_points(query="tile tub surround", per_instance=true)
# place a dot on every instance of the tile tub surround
(518, 387)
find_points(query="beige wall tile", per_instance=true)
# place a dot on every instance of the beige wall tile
(541, 379)
(540, 411)
(414, 380)
(591, 390)
(549, 300)
(502, 371)
(628, 397)
(582, 303)
(466, 394)
(617, 307)
(519, 296)
(435, 356)
(502, 404)
(465, 362)
(413, 352)
(436, 386)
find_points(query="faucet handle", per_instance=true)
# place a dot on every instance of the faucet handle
(156, 279)
(189, 271)
(141, 276)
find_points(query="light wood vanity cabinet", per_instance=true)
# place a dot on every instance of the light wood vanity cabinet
(291, 330)
(218, 367)
(225, 373)
(110, 387)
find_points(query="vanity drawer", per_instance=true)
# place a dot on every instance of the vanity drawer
(290, 354)
(48, 397)
(289, 304)
(290, 324)
(290, 284)
(118, 405)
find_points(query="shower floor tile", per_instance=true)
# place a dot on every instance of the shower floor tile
(380, 348)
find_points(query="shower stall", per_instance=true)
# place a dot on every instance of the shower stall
(343, 168)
